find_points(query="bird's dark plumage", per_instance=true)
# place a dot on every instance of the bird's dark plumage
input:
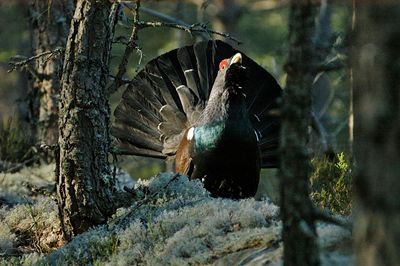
(210, 109)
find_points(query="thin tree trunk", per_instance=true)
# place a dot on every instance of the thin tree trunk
(321, 91)
(86, 190)
(49, 30)
(376, 62)
(299, 234)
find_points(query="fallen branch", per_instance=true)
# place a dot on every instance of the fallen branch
(148, 198)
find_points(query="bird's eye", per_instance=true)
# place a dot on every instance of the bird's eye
(223, 64)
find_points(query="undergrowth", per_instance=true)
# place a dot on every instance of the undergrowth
(177, 224)
(15, 141)
(331, 183)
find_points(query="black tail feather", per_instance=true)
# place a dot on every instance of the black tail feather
(141, 129)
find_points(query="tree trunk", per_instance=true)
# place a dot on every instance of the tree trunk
(376, 62)
(299, 234)
(49, 30)
(86, 190)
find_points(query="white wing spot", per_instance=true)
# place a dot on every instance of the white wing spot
(257, 136)
(190, 133)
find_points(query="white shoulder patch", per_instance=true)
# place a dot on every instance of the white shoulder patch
(190, 133)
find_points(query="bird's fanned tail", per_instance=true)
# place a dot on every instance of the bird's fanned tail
(169, 94)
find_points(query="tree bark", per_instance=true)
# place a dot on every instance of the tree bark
(376, 66)
(86, 190)
(299, 234)
(49, 30)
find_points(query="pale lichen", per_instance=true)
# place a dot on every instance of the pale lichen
(173, 221)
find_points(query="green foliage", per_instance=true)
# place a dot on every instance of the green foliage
(14, 141)
(331, 183)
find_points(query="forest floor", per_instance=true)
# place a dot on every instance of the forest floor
(171, 222)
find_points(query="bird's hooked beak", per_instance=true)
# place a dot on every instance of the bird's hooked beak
(235, 75)
(236, 59)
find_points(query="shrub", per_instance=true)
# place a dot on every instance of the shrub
(331, 183)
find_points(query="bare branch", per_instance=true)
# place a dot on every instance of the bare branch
(319, 128)
(336, 63)
(130, 47)
(169, 19)
(197, 27)
(15, 167)
(19, 61)
(123, 81)
(172, 22)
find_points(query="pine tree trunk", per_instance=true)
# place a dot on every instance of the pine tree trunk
(376, 64)
(86, 190)
(299, 233)
(49, 30)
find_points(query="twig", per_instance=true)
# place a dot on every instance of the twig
(131, 45)
(197, 27)
(149, 198)
(172, 22)
(152, 196)
(169, 19)
(318, 127)
(334, 64)
(18, 166)
(25, 61)
(162, 16)
(340, 127)
(123, 81)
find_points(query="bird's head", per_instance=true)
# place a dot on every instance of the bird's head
(231, 77)
(227, 97)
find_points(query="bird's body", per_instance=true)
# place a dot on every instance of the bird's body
(211, 120)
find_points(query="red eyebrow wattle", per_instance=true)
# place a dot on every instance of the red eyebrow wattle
(223, 64)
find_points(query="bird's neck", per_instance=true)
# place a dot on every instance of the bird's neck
(225, 107)
(224, 118)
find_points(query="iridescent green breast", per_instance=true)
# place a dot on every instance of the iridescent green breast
(207, 136)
